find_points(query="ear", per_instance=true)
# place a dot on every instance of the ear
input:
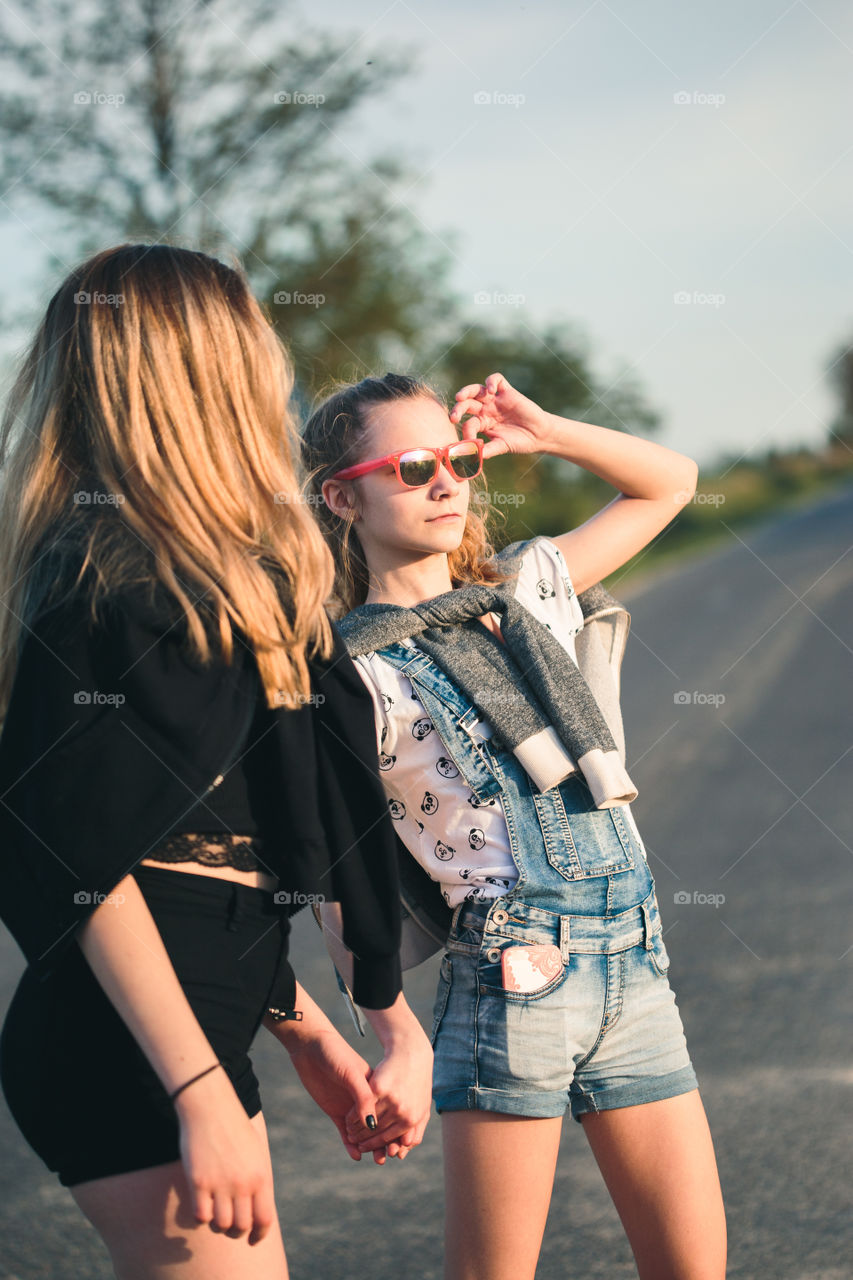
(338, 497)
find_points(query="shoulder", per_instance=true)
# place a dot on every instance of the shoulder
(542, 565)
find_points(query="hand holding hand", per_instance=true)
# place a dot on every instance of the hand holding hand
(402, 1085)
(337, 1078)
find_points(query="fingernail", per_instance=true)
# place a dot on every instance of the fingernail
(371, 1122)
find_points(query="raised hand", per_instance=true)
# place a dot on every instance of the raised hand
(512, 423)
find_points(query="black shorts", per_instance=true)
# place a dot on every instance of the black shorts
(81, 1090)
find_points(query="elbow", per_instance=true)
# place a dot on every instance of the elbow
(686, 481)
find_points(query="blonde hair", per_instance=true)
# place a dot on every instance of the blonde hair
(334, 437)
(156, 385)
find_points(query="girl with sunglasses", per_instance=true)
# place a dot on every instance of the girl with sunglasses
(506, 781)
(180, 766)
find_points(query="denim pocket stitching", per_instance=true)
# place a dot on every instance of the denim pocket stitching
(659, 949)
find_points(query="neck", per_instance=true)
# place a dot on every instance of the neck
(411, 583)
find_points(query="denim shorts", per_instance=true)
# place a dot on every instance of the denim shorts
(604, 1032)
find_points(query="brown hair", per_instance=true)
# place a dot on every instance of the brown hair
(156, 386)
(333, 438)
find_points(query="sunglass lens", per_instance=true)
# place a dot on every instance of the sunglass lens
(465, 460)
(417, 467)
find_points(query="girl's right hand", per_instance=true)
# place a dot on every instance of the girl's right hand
(225, 1159)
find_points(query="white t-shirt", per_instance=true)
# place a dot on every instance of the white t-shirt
(460, 843)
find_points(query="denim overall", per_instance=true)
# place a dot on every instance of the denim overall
(584, 885)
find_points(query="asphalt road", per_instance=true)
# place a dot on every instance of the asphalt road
(748, 797)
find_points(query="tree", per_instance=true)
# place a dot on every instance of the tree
(215, 127)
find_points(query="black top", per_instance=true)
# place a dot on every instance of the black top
(115, 734)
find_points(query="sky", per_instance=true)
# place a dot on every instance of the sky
(672, 180)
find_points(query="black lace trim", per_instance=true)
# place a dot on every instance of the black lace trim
(212, 850)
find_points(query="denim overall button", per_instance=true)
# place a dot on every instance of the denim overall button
(493, 954)
(500, 917)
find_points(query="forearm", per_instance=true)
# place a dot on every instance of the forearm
(295, 1034)
(394, 1025)
(639, 468)
(126, 953)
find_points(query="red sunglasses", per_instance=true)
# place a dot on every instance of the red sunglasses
(416, 467)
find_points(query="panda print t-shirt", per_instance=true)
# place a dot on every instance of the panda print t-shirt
(461, 843)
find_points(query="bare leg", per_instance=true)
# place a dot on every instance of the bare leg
(658, 1162)
(498, 1178)
(146, 1222)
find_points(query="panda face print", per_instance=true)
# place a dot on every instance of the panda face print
(386, 762)
(420, 826)
(544, 589)
(429, 804)
(479, 804)
(421, 728)
(444, 851)
(387, 701)
(446, 768)
(503, 884)
(397, 809)
(477, 894)
(476, 838)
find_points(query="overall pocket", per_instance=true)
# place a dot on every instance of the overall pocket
(490, 974)
(658, 953)
(581, 840)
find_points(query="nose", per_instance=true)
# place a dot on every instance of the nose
(445, 481)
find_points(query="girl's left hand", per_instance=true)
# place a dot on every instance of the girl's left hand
(512, 423)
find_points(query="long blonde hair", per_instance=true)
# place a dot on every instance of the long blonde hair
(333, 438)
(156, 386)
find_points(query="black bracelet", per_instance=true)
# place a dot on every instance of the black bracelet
(180, 1089)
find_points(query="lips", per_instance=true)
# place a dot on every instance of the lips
(448, 515)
